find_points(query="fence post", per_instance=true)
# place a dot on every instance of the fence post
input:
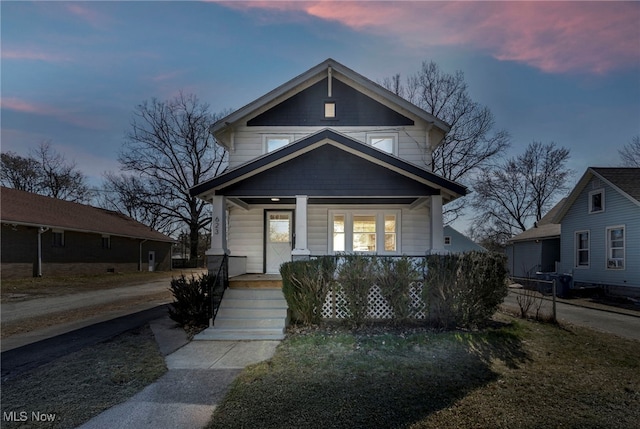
(553, 293)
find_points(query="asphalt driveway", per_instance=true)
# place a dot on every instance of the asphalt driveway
(624, 323)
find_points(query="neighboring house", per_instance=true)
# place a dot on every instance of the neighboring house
(536, 249)
(600, 237)
(328, 162)
(456, 242)
(47, 236)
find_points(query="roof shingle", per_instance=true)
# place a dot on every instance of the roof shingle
(26, 208)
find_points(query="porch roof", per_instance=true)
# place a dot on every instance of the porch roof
(329, 167)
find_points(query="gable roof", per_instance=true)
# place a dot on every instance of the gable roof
(29, 209)
(545, 228)
(459, 242)
(349, 146)
(624, 180)
(329, 66)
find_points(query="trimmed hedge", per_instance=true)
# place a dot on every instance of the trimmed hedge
(305, 285)
(459, 290)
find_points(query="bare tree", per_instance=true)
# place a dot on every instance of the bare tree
(60, 178)
(19, 172)
(134, 197)
(471, 144)
(45, 172)
(513, 195)
(170, 150)
(630, 153)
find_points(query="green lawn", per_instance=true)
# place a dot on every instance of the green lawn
(516, 374)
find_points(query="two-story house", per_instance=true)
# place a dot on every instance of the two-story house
(328, 162)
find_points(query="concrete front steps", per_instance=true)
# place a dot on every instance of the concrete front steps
(249, 314)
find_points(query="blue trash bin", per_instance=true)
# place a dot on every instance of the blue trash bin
(563, 286)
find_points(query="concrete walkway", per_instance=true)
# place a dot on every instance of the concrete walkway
(199, 374)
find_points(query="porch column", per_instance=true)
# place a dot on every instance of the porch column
(437, 226)
(218, 232)
(301, 250)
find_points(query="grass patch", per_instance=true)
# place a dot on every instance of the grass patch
(38, 287)
(83, 384)
(514, 374)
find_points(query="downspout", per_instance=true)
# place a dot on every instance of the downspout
(41, 231)
(140, 262)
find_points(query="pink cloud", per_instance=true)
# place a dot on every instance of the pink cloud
(555, 37)
(63, 115)
(87, 14)
(33, 55)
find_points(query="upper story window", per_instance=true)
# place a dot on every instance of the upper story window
(596, 201)
(106, 242)
(329, 109)
(615, 247)
(385, 142)
(274, 142)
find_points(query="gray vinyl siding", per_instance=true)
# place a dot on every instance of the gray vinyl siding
(524, 258)
(245, 237)
(246, 231)
(412, 141)
(619, 210)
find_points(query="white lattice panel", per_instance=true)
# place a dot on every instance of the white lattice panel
(418, 307)
(335, 305)
(379, 308)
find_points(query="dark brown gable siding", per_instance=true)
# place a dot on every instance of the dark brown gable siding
(328, 171)
(353, 108)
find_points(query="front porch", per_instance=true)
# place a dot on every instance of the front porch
(256, 281)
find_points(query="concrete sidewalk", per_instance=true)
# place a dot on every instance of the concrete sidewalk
(199, 374)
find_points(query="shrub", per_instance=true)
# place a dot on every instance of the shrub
(394, 276)
(192, 303)
(356, 275)
(305, 285)
(464, 290)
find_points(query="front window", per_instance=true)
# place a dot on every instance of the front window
(272, 143)
(615, 248)
(596, 201)
(106, 242)
(364, 234)
(367, 231)
(582, 249)
(338, 233)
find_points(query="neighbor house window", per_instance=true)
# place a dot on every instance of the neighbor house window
(596, 201)
(364, 231)
(106, 242)
(58, 238)
(615, 247)
(447, 240)
(384, 142)
(582, 248)
(272, 143)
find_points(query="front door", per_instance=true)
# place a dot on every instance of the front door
(278, 237)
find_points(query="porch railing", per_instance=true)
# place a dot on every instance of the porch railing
(218, 286)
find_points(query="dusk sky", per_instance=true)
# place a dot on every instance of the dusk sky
(72, 72)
